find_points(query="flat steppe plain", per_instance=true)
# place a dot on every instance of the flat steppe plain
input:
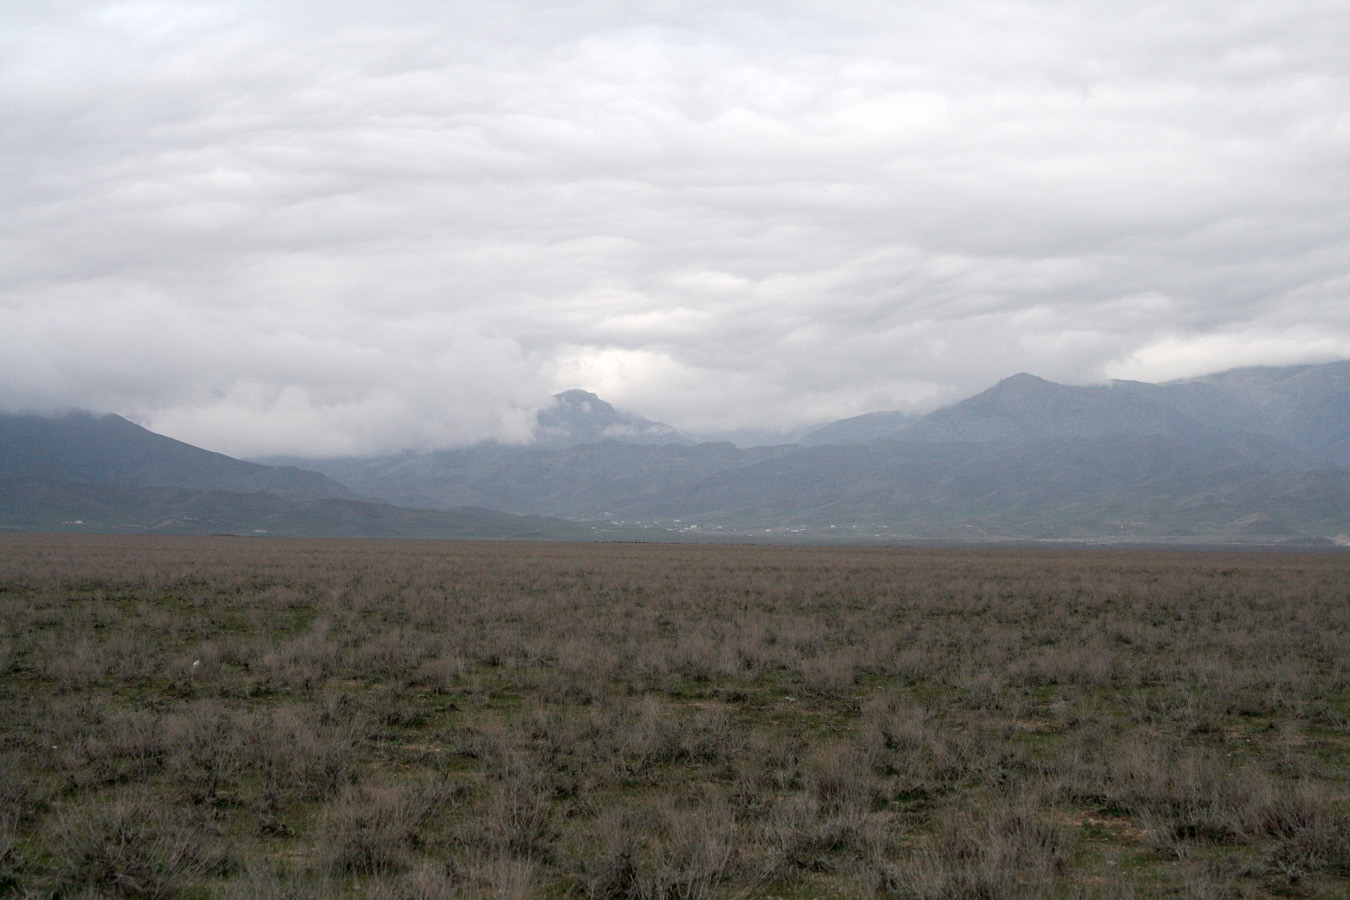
(251, 718)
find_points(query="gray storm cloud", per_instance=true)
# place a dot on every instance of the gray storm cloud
(321, 228)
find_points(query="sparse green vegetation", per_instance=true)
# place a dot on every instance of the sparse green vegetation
(243, 718)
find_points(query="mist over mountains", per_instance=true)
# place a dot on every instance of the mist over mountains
(581, 417)
(1254, 454)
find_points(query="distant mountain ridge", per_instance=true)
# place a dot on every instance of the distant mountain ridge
(82, 472)
(108, 449)
(1257, 454)
(1290, 417)
(1251, 452)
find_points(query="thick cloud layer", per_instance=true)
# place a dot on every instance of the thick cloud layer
(329, 227)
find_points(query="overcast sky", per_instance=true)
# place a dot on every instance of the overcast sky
(339, 227)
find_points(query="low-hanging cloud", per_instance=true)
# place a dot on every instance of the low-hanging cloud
(321, 228)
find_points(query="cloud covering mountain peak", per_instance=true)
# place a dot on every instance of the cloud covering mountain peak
(580, 417)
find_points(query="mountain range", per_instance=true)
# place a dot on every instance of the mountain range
(1249, 455)
(81, 472)
(1296, 417)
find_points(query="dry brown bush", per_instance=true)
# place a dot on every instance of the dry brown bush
(370, 830)
(135, 848)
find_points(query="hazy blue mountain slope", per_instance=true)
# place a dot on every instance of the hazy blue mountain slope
(80, 447)
(1292, 417)
(1306, 409)
(895, 481)
(573, 480)
(1277, 389)
(34, 504)
(1025, 407)
(1022, 407)
(1208, 404)
(1325, 430)
(858, 429)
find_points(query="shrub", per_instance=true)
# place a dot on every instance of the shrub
(135, 848)
(368, 830)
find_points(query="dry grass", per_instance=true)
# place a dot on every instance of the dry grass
(264, 718)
